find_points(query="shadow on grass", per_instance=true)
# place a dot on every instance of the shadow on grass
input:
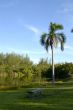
(25, 106)
(53, 99)
(34, 106)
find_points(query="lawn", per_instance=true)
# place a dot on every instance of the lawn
(57, 98)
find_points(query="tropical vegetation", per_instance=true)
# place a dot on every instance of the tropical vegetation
(17, 70)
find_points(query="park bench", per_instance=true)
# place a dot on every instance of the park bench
(35, 92)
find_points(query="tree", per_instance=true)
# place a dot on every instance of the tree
(51, 40)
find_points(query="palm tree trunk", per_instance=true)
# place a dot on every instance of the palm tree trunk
(53, 74)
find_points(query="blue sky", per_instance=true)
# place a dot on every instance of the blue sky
(23, 21)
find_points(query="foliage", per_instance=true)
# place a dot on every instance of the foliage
(53, 37)
(62, 71)
(41, 69)
(16, 70)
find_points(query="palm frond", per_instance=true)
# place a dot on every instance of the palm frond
(55, 41)
(54, 27)
(58, 27)
(72, 30)
(62, 46)
(47, 44)
(43, 39)
(62, 39)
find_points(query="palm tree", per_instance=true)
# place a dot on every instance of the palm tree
(51, 40)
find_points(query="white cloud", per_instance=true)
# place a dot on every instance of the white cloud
(66, 7)
(35, 30)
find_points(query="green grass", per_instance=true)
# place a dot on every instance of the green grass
(57, 98)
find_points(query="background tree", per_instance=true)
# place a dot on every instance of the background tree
(51, 40)
(16, 70)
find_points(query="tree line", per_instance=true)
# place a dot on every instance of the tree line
(18, 70)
